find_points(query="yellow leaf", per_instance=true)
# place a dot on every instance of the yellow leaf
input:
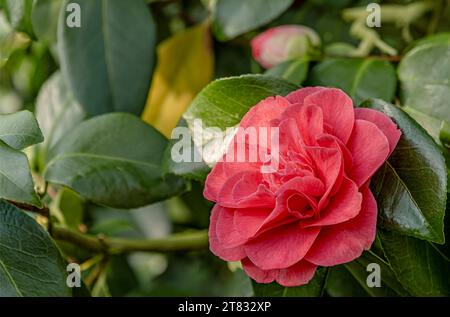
(185, 65)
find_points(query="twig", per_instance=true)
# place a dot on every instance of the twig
(191, 241)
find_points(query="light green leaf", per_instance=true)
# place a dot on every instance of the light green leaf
(20, 130)
(108, 61)
(57, 113)
(235, 17)
(44, 18)
(16, 183)
(19, 14)
(411, 187)
(360, 78)
(222, 104)
(424, 77)
(30, 263)
(114, 160)
(225, 101)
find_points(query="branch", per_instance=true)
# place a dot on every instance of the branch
(191, 241)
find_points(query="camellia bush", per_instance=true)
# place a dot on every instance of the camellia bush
(224, 148)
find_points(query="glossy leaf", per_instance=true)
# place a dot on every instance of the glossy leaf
(30, 263)
(359, 78)
(175, 84)
(108, 61)
(16, 183)
(114, 160)
(57, 112)
(294, 71)
(235, 17)
(411, 187)
(225, 101)
(222, 104)
(20, 130)
(314, 288)
(418, 264)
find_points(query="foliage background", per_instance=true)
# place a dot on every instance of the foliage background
(150, 59)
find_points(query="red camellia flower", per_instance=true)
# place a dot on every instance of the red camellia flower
(316, 209)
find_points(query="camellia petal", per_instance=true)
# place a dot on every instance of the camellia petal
(346, 241)
(367, 159)
(228, 254)
(338, 113)
(345, 205)
(298, 274)
(383, 122)
(280, 247)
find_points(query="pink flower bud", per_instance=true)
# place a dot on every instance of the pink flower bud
(282, 43)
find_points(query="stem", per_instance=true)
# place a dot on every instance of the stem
(191, 241)
(44, 211)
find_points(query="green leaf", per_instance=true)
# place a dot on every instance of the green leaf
(222, 104)
(16, 183)
(424, 77)
(114, 160)
(189, 170)
(411, 187)
(418, 264)
(10, 40)
(45, 19)
(341, 283)
(30, 263)
(108, 61)
(437, 38)
(294, 71)
(57, 113)
(19, 14)
(360, 78)
(350, 279)
(314, 288)
(20, 130)
(235, 17)
(225, 101)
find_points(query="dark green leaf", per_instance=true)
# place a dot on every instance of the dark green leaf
(360, 78)
(411, 187)
(30, 263)
(314, 288)
(341, 283)
(114, 160)
(16, 183)
(418, 264)
(20, 130)
(294, 71)
(108, 61)
(235, 17)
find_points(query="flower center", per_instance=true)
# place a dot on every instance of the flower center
(299, 206)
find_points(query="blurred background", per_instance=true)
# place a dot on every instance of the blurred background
(195, 42)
